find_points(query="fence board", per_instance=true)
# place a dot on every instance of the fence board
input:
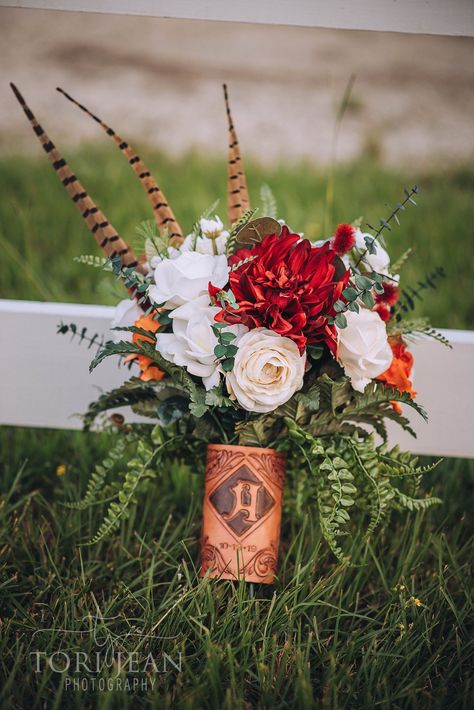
(46, 381)
(444, 17)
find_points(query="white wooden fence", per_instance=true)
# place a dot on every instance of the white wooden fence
(45, 378)
(444, 17)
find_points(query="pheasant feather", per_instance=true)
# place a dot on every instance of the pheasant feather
(237, 193)
(104, 233)
(163, 213)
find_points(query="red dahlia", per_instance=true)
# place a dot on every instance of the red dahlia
(289, 287)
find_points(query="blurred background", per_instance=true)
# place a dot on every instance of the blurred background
(336, 122)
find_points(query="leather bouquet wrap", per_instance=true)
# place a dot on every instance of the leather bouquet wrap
(243, 495)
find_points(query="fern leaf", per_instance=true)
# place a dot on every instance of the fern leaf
(269, 205)
(415, 503)
(97, 480)
(132, 392)
(397, 265)
(231, 240)
(180, 377)
(367, 462)
(97, 262)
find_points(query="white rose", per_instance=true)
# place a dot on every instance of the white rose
(183, 279)
(213, 240)
(268, 370)
(363, 351)
(192, 342)
(380, 261)
(125, 315)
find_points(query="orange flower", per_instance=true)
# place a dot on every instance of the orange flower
(398, 374)
(148, 370)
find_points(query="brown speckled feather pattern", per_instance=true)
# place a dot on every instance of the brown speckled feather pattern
(104, 233)
(163, 213)
(237, 193)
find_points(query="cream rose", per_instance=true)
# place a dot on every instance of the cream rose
(180, 280)
(363, 351)
(268, 370)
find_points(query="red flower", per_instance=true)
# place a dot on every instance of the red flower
(289, 287)
(344, 239)
(390, 294)
(383, 311)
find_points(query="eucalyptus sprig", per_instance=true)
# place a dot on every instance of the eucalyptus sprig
(385, 223)
(225, 351)
(360, 288)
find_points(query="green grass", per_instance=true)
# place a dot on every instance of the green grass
(326, 635)
(41, 231)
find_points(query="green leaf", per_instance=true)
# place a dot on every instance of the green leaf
(370, 243)
(164, 318)
(231, 350)
(315, 351)
(340, 320)
(215, 398)
(367, 299)
(228, 364)
(350, 293)
(171, 409)
(363, 282)
(220, 351)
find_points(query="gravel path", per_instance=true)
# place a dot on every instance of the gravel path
(159, 81)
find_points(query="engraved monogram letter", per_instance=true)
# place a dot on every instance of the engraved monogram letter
(245, 500)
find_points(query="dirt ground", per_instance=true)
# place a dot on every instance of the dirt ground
(159, 81)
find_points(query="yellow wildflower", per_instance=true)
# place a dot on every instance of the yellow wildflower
(61, 469)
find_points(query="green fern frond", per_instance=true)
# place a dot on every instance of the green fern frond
(395, 464)
(98, 262)
(179, 375)
(366, 459)
(397, 265)
(413, 504)
(132, 392)
(231, 241)
(269, 204)
(377, 393)
(97, 480)
(240, 263)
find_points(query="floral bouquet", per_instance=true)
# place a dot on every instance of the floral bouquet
(280, 355)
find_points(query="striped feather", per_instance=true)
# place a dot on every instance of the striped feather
(104, 233)
(237, 194)
(163, 213)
